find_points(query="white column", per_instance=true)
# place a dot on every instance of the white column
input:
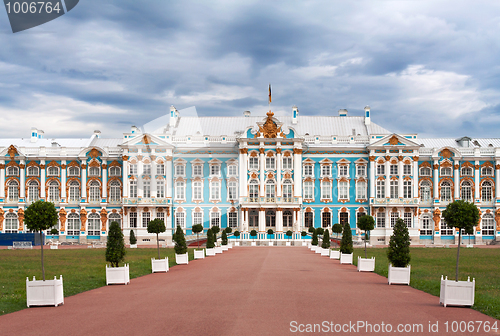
(298, 222)
(436, 179)
(415, 177)
(2, 179)
(279, 220)
(278, 175)
(456, 180)
(22, 189)
(169, 178)
(262, 165)
(154, 187)
(125, 176)
(372, 177)
(140, 182)
(497, 180)
(262, 220)
(84, 180)
(242, 220)
(388, 179)
(243, 172)
(400, 178)
(476, 181)
(297, 172)
(42, 179)
(104, 179)
(63, 181)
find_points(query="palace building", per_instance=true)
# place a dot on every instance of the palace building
(252, 173)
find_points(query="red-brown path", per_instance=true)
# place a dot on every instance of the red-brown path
(245, 291)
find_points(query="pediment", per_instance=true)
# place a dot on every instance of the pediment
(394, 140)
(146, 140)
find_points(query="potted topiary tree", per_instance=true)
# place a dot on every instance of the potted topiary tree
(133, 239)
(55, 234)
(463, 216)
(289, 234)
(40, 216)
(157, 226)
(253, 233)
(336, 228)
(398, 254)
(314, 240)
(210, 244)
(181, 254)
(115, 254)
(197, 228)
(346, 245)
(224, 241)
(228, 231)
(319, 232)
(270, 232)
(237, 235)
(215, 230)
(325, 246)
(366, 223)
(303, 234)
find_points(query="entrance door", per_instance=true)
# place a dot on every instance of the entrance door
(271, 218)
(287, 218)
(253, 218)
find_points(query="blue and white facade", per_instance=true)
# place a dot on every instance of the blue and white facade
(252, 173)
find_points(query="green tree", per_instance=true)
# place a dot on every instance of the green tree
(210, 239)
(133, 239)
(215, 230)
(54, 232)
(314, 238)
(197, 228)
(115, 247)
(337, 228)
(157, 226)
(236, 233)
(303, 234)
(311, 229)
(346, 242)
(289, 234)
(180, 241)
(366, 223)
(326, 240)
(463, 216)
(40, 216)
(398, 251)
(253, 233)
(224, 238)
(320, 231)
(270, 232)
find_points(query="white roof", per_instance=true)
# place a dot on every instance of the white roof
(45, 142)
(101, 143)
(451, 142)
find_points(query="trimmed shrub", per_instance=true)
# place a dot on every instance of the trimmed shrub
(210, 239)
(337, 228)
(115, 247)
(197, 228)
(270, 232)
(133, 238)
(346, 242)
(215, 230)
(326, 240)
(320, 231)
(236, 233)
(315, 238)
(303, 234)
(398, 251)
(157, 226)
(180, 241)
(289, 234)
(311, 229)
(228, 230)
(54, 232)
(224, 237)
(366, 223)
(253, 233)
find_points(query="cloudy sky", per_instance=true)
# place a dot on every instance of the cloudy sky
(426, 67)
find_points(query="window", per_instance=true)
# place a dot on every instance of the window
(445, 171)
(381, 169)
(467, 171)
(361, 190)
(132, 169)
(308, 190)
(73, 228)
(114, 217)
(53, 192)
(72, 171)
(214, 170)
(466, 191)
(133, 189)
(361, 170)
(326, 170)
(232, 170)
(394, 169)
(445, 229)
(344, 170)
(146, 218)
(114, 191)
(160, 216)
(308, 170)
(93, 225)
(11, 223)
(33, 191)
(270, 163)
(407, 218)
(133, 219)
(406, 169)
(427, 228)
(115, 171)
(487, 171)
(94, 192)
(425, 191)
(271, 218)
(394, 189)
(215, 190)
(197, 190)
(146, 187)
(253, 218)
(179, 190)
(270, 190)
(197, 170)
(445, 191)
(425, 171)
(287, 162)
(344, 218)
(94, 171)
(160, 189)
(232, 188)
(407, 189)
(74, 191)
(253, 162)
(13, 191)
(488, 225)
(381, 219)
(160, 169)
(232, 219)
(326, 220)
(308, 219)
(343, 190)
(179, 170)
(380, 188)
(486, 191)
(394, 218)
(287, 190)
(12, 171)
(33, 171)
(146, 169)
(197, 218)
(253, 189)
(326, 190)
(214, 219)
(52, 171)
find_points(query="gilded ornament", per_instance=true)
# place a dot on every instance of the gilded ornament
(12, 151)
(278, 150)
(104, 218)
(125, 158)
(446, 153)
(243, 150)
(94, 153)
(269, 129)
(261, 150)
(62, 219)
(415, 158)
(437, 219)
(297, 151)
(393, 140)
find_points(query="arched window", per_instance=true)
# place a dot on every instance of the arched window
(486, 191)
(253, 218)
(73, 171)
(33, 171)
(114, 191)
(308, 219)
(53, 191)
(12, 171)
(427, 225)
(326, 220)
(270, 190)
(93, 223)
(13, 191)
(445, 191)
(94, 171)
(487, 171)
(115, 171)
(287, 190)
(114, 217)
(445, 229)
(445, 171)
(74, 191)
(488, 225)
(73, 224)
(287, 218)
(253, 190)
(253, 162)
(33, 191)
(425, 191)
(425, 171)
(467, 171)
(215, 219)
(270, 163)
(11, 223)
(94, 191)
(466, 191)
(271, 218)
(52, 171)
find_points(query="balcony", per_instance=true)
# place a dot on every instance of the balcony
(146, 200)
(271, 200)
(395, 201)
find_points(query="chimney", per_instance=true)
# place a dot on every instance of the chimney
(246, 113)
(34, 134)
(295, 111)
(97, 134)
(40, 134)
(367, 115)
(342, 113)
(134, 130)
(173, 116)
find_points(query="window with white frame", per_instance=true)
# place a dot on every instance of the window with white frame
(197, 190)
(115, 191)
(344, 170)
(427, 226)
(179, 190)
(133, 219)
(33, 171)
(445, 229)
(215, 190)
(380, 219)
(308, 170)
(180, 219)
(394, 169)
(326, 170)
(394, 218)
(33, 191)
(425, 191)
(445, 191)
(232, 170)
(326, 219)
(467, 171)
(445, 171)
(115, 171)
(197, 218)
(53, 192)
(253, 162)
(308, 190)
(425, 171)
(486, 191)
(146, 168)
(380, 188)
(13, 191)
(197, 170)
(253, 189)
(407, 169)
(343, 188)
(232, 190)
(287, 162)
(361, 190)
(326, 190)
(11, 223)
(488, 225)
(308, 219)
(72, 171)
(160, 169)
(215, 170)
(133, 189)
(132, 169)
(160, 216)
(232, 219)
(74, 191)
(270, 163)
(114, 217)
(407, 218)
(93, 222)
(287, 189)
(179, 170)
(380, 169)
(361, 170)
(214, 219)
(73, 227)
(270, 189)
(487, 171)
(466, 191)
(146, 189)
(160, 189)
(146, 218)
(407, 191)
(94, 171)
(12, 171)
(94, 191)
(394, 189)
(53, 171)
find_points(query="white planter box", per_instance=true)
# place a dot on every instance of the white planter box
(230, 245)
(334, 254)
(399, 275)
(118, 275)
(346, 258)
(225, 248)
(218, 249)
(44, 293)
(182, 259)
(253, 244)
(54, 246)
(469, 246)
(271, 243)
(366, 265)
(199, 254)
(236, 243)
(304, 243)
(159, 265)
(210, 252)
(457, 293)
(288, 243)
(318, 249)
(325, 252)
(133, 245)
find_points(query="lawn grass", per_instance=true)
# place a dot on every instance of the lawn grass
(82, 270)
(428, 264)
